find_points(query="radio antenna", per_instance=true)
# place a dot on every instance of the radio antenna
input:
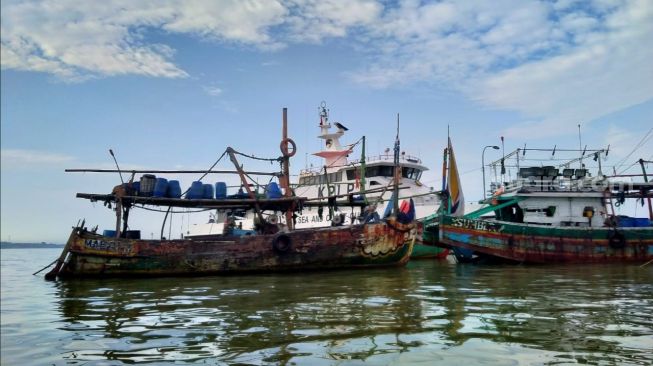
(580, 147)
(117, 167)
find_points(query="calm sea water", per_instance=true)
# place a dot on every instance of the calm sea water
(428, 312)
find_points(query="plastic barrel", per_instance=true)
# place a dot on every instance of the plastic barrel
(220, 190)
(147, 185)
(174, 189)
(132, 234)
(136, 186)
(196, 190)
(109, 233)
(627, 222)
(160, 187)
(207, 191)
(273, 190)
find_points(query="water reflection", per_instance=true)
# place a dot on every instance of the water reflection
(425, 312)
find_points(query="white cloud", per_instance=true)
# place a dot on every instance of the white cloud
(608, 72)
(558, 63)
(312, 20)
(213, 91)
(17, 158)
(76, 39)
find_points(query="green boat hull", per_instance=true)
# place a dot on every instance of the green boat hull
(525, 243)
(426, 245)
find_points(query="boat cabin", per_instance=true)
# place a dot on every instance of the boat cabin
(550, 195)
(350, 173)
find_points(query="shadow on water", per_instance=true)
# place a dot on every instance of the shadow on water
(429, 311)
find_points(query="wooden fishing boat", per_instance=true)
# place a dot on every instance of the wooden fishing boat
(547, 216)
(272, 245)
(378, 244)
(527, 243)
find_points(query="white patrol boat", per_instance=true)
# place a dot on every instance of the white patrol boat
(342, 179)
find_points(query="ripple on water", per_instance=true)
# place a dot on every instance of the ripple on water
(426, 313)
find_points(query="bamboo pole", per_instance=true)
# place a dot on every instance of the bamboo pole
(52, 275)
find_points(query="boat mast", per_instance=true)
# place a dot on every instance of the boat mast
(395, 195)
(285, 178)
(333, 153)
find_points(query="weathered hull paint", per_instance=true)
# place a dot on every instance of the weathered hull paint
(327, 248)
(426, 245)
(536, 244)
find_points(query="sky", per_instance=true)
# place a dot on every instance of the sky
(169, 84)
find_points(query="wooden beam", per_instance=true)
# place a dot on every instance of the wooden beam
(167, 171)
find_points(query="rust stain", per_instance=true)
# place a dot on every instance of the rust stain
(337, 247)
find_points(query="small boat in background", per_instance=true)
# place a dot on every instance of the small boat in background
(550, 215)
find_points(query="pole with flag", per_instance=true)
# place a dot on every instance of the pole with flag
(456, 204)
(395, 199)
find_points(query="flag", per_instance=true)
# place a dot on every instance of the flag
(456, 198)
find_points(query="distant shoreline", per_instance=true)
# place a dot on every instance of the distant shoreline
(7, 245)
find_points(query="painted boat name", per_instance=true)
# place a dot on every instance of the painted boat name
(475, 224)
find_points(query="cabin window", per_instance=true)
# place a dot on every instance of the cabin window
(351, 174)
(379, 171)
(411, 173)
(307, 181)
(386, 171)
(550, 211)
(406, 172)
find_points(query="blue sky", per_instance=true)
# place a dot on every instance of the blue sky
(170, 84)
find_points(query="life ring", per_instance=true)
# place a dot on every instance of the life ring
(284, 147)
(281, 243)
(617, 239)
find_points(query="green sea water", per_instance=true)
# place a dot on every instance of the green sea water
(423, 314)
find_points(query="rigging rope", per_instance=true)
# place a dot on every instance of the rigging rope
(641, 143)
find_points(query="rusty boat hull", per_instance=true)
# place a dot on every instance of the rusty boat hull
(525, 243)
(379, 244)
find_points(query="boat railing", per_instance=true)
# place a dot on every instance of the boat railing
(547, 184)
(403, 158)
